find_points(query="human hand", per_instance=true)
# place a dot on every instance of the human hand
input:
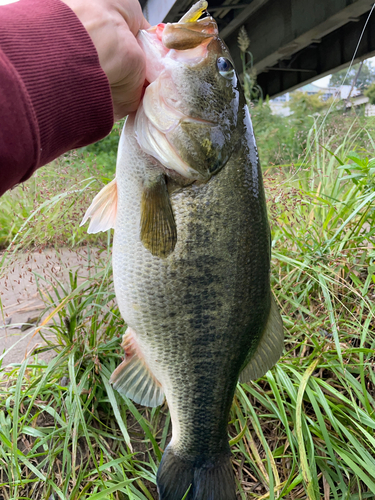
(113, 26)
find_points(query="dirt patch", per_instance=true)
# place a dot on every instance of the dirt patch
(22, 304)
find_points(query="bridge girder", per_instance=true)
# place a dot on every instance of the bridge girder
(293, 42)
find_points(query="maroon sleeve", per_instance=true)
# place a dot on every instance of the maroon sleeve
(54, 96)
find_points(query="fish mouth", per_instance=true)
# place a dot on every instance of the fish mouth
(157, 118)
(154, 142)
(180, 117)
(186, 41)
(164, 113)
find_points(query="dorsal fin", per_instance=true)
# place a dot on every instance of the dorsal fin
(269, 349)
(103, 209)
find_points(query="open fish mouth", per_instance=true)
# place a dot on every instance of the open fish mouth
(152, 133)
(164, 111)
(155, 142)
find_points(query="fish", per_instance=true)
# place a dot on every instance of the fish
(191, 252)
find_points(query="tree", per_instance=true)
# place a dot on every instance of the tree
(303, 104)
(365, 78)
(370, 93)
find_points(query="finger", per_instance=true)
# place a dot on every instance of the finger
(145, 24)
(132, 13)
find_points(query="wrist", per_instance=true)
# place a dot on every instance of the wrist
(59, 67)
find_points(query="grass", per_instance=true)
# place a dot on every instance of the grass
(303, 431)
(47, 209)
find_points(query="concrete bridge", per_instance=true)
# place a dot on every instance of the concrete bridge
(293, 42)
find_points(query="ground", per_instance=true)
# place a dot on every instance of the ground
(21, 301)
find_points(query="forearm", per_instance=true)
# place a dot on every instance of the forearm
(54, 95)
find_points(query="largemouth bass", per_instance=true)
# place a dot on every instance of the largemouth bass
(191, 252)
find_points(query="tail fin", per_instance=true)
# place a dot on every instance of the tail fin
(211, 480)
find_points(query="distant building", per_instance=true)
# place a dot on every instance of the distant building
(361, 100)
(279, 105)
(312, 89)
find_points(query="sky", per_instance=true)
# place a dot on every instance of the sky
(323, 82)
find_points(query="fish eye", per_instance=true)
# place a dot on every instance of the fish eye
(225, 67)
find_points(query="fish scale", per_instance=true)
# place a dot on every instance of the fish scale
(199, 300)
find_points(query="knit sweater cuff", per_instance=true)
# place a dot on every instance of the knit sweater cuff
(58, 65)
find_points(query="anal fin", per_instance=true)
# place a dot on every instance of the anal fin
(133, 378)
(269, 349)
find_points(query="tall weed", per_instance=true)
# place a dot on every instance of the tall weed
(47, 209)
(304, 430)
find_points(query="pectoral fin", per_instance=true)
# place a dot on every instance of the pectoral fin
(269, 348)
(158, 227)
(103, 209)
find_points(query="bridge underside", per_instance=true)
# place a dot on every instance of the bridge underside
(293, 42)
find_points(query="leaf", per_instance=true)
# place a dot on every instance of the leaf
(307, 477)
(116, 410)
